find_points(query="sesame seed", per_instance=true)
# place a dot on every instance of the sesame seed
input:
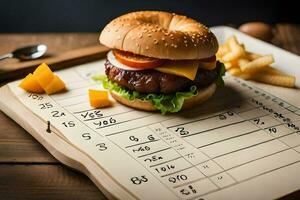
(175, 46)
(163, 39)
(166, 44)
(155, 41)
(149, 35)
(147, 47)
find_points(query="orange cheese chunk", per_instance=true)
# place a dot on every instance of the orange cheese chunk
(56, 85)
(30, 84)
(99, 98)
(43, 74)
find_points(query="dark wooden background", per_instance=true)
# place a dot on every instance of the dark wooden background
(27, 170)
(92, 15)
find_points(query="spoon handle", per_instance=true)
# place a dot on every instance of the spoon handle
(9, 55)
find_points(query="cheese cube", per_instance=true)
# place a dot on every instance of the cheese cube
(30, 84)
(56, 85)
(43, 74)
(99, 98)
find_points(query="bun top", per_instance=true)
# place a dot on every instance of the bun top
(160, 35)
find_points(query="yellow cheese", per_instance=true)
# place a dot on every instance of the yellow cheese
(99, 98)
(30, 84)
(42, 79)
(185, 68)
(56, 85)
(43, 74)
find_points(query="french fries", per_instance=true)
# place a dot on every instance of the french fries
(251, 66)
(257, 64)
(277, 79)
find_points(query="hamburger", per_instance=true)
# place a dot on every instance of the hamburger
(160, 61)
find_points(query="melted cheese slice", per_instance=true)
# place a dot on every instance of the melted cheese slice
(185, 68)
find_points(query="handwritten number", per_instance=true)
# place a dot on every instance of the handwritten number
(137, 181)
(150, 137)
(56, 113)
(45, 105)
(182, 131)
(35, 96)
(86, 136)
(69, 124)
(177, 178)
(145, 148)
(101, 146)
(272, 130)
(134, 139)
(153, 159)
(188, 191)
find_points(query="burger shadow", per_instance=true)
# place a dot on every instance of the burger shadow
(224, 98)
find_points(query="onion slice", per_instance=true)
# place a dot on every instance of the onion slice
(112, 59)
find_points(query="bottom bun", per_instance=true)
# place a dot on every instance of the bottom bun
(203, 95)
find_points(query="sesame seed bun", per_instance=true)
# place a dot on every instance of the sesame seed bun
(160, 35)
(203, 95)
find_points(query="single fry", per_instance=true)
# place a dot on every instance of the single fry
(236, 50)
(232, 42)
(279, 80)
(229, 65)
(252, 56)
(246, 76)
(235, 71)
(233, 55)
(223, 49)
(273, 71)
(242, 61)
(257, 64)
(238, 72)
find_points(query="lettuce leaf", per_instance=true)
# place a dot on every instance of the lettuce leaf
(219, 81)
(164, 102)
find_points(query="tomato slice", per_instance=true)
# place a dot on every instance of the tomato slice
(137, 61)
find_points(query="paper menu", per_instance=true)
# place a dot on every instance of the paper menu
(241, 143)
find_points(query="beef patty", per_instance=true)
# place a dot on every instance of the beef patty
(153, 81)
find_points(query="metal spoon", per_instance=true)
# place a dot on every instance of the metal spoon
(27, 53)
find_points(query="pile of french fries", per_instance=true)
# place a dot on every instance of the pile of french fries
(251, 66)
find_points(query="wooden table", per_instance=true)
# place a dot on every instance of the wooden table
(27, 170)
